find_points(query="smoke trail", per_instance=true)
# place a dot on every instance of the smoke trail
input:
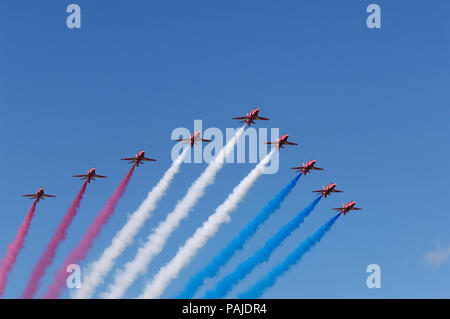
(14, 248)
(185, 254)
(156, 240)
(238, 242)
(262, 255)
(124, 237)
(269, 280)
(50, 251)
(79, 253)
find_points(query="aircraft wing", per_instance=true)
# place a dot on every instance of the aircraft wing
(262, 118)
(340, 208)
(45, 195)
(204, 140)
(183, 139)
(29, 195)
(149, 159)
(290, 143)
(101, 176)
(128, 159)
(297, 167)
(355, 208)
(317, 168)
(317, 191)
(80, 175)
(240, 118)
(337, 191)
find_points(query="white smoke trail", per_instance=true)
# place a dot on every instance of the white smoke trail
(124, 237)
(158, 238)
(186, 253)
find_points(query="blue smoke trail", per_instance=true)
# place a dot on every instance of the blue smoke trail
(227, 283)
(237, 243)
(269, 280)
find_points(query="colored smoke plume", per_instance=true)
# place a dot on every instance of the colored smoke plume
(79, 253)
(238, 242)
(260, 256)
(269, 280)
(158, 238)
(14, 248)
(124, 237)
(187, 252)
(49, 254)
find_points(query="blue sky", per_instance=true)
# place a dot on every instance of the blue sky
(371, 106)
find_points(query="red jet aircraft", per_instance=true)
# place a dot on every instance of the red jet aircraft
(250, 117)
(347, 207)
(282, 141)
(194, 139)
(90, 175)
(327, 190)
(138, 158)
(305, 168)
(38, 195)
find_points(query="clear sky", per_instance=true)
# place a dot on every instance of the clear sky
(370, 105)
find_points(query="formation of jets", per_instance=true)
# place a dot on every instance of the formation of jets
(326, 190)
(196, 137)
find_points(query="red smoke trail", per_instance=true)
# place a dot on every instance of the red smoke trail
(14, 248)
(47, 257)
(79, 253)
